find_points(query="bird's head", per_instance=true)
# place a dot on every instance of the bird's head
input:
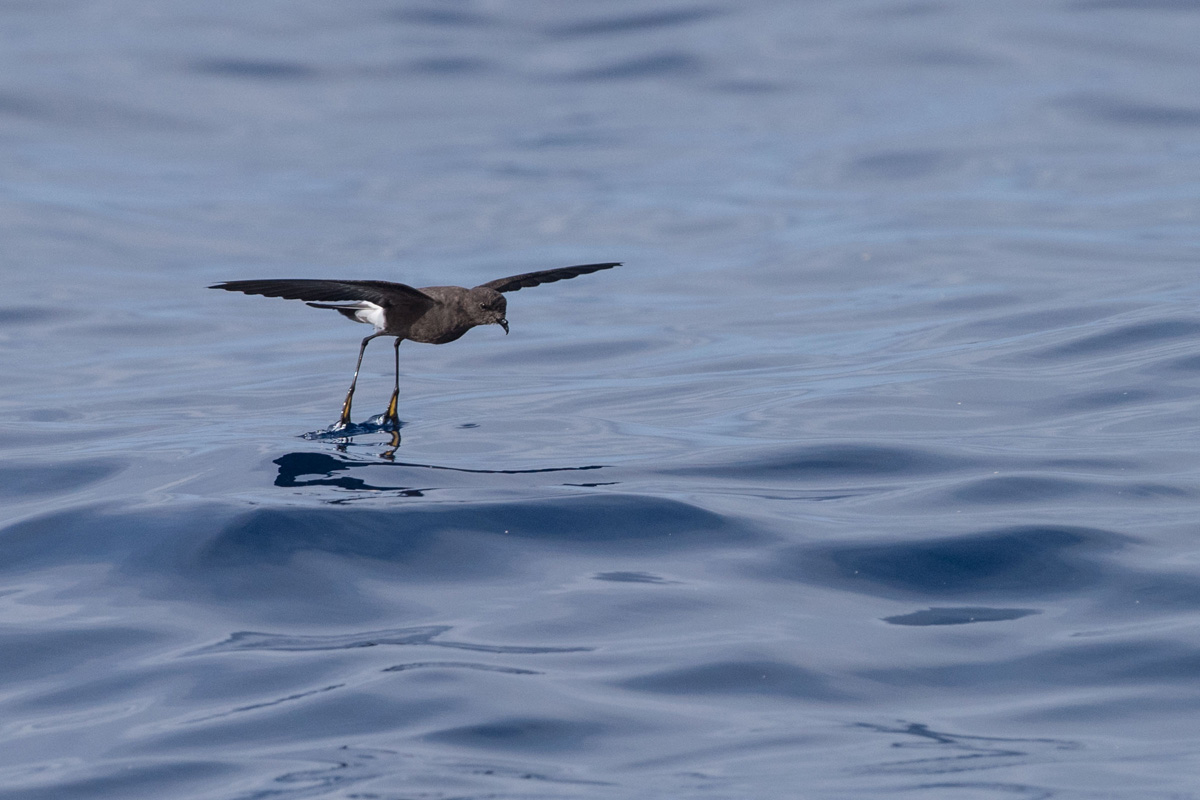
(487, 307)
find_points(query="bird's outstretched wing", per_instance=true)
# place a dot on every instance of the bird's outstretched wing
(381, 293)
(517, 282)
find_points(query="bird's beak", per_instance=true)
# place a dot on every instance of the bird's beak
(503, 323)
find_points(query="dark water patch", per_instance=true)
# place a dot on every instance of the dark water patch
(1130, 113)
(433, 536)
(1017, 489)
(772, 678)
(632, 22)
(1031, 489)
(17, 106)
(830, 461)
(525, 734)
(1101, 709)
(45, 479)
(573, 138)
(1175, 592)
(430, 549)
(255, 69)
(303, 563)
(468, 665)
(17, 315)
(1090, 464)
(78, 111)
(630, 577)
(105, 678)
(422, 635)
(901, 164)
(1139, 334)
(1184, 364)
(1109, 398)
(31, 654)
(1028, 561)
(943, 58)
(1079, 665)
(445, 66)
(661, 65)
(968, 790)
(903, 10)
(441, 16)
(1153, 491)
(125, 778)
(748, 86)
(168, 553)
(48, 415)
(960, 616)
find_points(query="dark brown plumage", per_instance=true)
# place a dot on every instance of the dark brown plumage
(433, 315)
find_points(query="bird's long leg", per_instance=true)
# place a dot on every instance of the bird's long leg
(345, 420)
(391, 416)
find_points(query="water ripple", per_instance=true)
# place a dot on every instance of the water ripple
(1138, 334)
(425, 635)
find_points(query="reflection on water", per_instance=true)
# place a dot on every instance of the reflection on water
(246, 640)
(944, 753)
(889, 416)
(326, 469)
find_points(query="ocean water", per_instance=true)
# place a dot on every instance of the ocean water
(874, 472)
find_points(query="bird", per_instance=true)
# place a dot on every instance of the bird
(431, 315)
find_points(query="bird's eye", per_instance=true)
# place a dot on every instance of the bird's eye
(483, 306)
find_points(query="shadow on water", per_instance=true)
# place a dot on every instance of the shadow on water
(294, 465)
(328, 470)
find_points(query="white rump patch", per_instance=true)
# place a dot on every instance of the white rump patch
(369, 313)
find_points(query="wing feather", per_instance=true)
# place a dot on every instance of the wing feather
(517, 282)
(382, 293)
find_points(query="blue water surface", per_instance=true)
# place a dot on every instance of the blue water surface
(873, 472)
